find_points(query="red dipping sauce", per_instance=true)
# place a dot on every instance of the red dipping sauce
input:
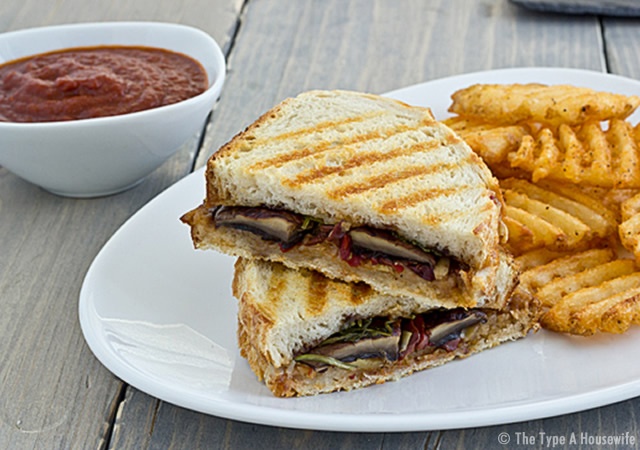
(84, 83)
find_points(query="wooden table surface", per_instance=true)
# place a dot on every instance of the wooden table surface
(55, 394)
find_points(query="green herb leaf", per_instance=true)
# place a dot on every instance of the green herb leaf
(360, 329)
(310, 357)
(309, 222)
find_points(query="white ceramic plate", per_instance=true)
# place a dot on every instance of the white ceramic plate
(161, 316)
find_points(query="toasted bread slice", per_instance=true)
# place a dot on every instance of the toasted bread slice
(283, 312)
(343, 157)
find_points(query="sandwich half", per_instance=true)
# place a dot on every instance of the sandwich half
(305, 334)
(361, 188)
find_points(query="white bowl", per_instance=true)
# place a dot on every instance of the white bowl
(102, 156)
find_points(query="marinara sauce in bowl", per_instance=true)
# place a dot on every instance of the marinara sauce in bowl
(91, 109)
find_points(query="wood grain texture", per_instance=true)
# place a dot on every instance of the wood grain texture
(53, 392)
(622, 46)
(216, 17)
(613, 420)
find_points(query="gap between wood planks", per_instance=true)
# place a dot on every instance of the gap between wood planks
(227, 54)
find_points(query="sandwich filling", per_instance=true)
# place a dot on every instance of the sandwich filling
(355, 244)
(379, 339)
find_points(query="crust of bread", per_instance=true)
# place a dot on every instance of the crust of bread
(488, 287)
(364, 159)
(274, 323)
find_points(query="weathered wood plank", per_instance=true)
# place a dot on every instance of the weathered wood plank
(579, 430)
(53, 392)
(175, 427)
(138, 410)
(622, 46)
(217, 17)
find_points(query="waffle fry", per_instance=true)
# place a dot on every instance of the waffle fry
(583, 292)
(492, 142)
(629, 232)
(629, 229)
(587, 156)
(589, 209)
(611, 306)
(553, 217)
(552, 105)
(537, 277)
(572, 229)
(551, 293)
(630, 207)
(528, 231)
(535, 258)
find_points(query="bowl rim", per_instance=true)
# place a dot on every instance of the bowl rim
(215, 86)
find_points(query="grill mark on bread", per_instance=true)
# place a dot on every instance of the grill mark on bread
(317, 147)
(324, 146)
(360, 293)
(414, 198)
(277, 285)
(318, 299)
(321, 147)
(320, 127)
(381, 181)
(359, 160)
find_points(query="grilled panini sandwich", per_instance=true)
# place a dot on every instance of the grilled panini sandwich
(305, 334)
(363, 189)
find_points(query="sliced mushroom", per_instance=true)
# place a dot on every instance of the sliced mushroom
(346, 355)
(280, 225)
(447, 331)
(385, 242)
(385, 346)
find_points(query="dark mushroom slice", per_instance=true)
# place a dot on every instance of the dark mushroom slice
(385, 242)
(280, 225)
(441, 334)
(347, 352)
(385, 346)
